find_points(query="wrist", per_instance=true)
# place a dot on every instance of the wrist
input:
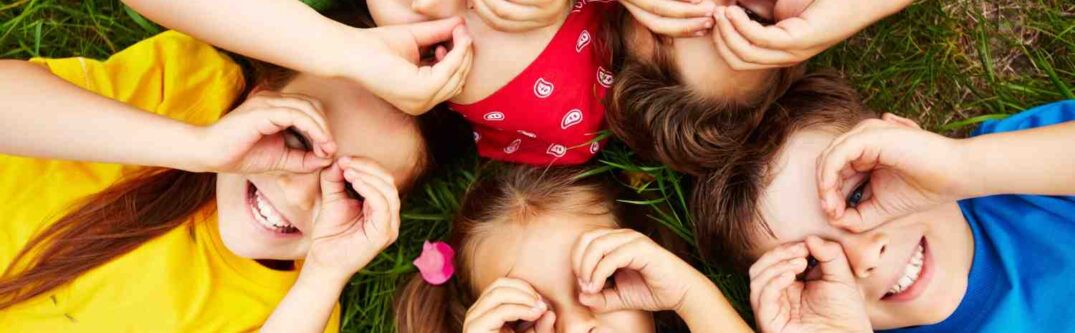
(348, 56)
(701, 292)
(193, 153)
(970, 158)
(318, 275)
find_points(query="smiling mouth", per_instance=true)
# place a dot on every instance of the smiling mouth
(908, 285)
(265, 214)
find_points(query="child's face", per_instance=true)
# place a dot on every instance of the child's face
(539, 252)
(362, 125)
(393, 12)
(880, 258)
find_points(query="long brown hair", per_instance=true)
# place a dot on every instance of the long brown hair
(152, 202)
(725, 201)
(662, 119)
(514, 194)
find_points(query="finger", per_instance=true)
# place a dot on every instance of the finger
(279, 119)
(300, 161)
(849, 154)
(772, 37)
(777, 255)
(768, 304)
(676, 9)
(745, 50)
(323, 146)
(584, 253)
(441, 72)
(368, 166)
(608, 300)
(376, 220)
(333, 184)
(791, 266)
(598, 250)
(831, 260)
(683, 27)
(440, 52)
(730, 57)
(627, 256)
(455, 83)
(497, 295)
(433, 32)
(387, 191)
(496, 318)
(546, 324)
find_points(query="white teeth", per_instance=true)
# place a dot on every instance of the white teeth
(266, 215)
(911, 273)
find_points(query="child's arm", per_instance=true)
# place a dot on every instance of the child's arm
(799, 34)
(922, 169)
(44, 116)
(347, 235)
(661, 281)
(291, 34)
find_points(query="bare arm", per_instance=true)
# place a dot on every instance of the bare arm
(1033, 161)
(45, 116)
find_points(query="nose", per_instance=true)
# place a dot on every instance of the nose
(864, 252)
(300, 190)
(577, 319)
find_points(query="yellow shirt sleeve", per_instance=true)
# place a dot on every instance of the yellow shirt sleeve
(170, 74)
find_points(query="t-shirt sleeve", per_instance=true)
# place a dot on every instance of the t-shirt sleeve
(1045, 115)
(170, 74)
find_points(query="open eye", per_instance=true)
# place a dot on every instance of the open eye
(295, 140)
(858, 195)
(754, 16)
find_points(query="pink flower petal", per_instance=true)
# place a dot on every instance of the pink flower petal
(436, 263)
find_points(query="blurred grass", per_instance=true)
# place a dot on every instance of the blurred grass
(948, 64)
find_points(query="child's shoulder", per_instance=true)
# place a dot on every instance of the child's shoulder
(1044, 115)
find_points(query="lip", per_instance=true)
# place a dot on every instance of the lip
(250, 207)
(924, 278)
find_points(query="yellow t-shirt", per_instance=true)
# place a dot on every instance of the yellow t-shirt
(173, 283)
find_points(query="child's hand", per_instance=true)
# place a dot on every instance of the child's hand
(831, 302)
(645, 275)
(389, 65)
(798, 35)
(676, 18)
(908, 169)
(268, 132)
(506, 303)
(520, 15)
(349, 232)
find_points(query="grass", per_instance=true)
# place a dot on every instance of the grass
(948, 64)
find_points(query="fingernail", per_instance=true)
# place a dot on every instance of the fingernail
(708, 24)
(700, 33)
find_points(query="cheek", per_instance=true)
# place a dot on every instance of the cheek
(628, 321)
(239, 232)
(392, 12)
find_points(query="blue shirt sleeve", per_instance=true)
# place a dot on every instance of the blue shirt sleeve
(1045, 115)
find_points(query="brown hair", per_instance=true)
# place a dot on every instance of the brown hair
(724, 202)
(515, 194)
(150, 203)
(661, 118)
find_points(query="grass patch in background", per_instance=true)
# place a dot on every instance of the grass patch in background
(947, 64)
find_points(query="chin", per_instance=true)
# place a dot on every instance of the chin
(241, 233)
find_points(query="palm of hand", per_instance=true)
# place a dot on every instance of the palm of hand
(648, 291)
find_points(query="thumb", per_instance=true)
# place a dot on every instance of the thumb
(608, 300)
(432, 32)
(865, 216)
(831, 260)
(333, 184)
(300, 161)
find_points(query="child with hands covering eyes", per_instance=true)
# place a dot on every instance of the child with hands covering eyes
(543, 251)
(230, 205)
(934, 234)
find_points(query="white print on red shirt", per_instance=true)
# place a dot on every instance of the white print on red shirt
(572, 118)
(543, 88)
(477, 137)
(556, 150)
(513, 147)
(584, 39)
(528, 134)
(594, 147)
(605, 77)
(494, 116)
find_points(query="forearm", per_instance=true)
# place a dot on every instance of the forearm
(284, 32)
(44, 116)
(706, 310)
(308, 305)
(1035, 161)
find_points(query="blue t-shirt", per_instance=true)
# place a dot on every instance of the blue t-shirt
(1022, 278)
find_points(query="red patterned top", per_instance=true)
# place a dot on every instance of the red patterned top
(551, 113)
